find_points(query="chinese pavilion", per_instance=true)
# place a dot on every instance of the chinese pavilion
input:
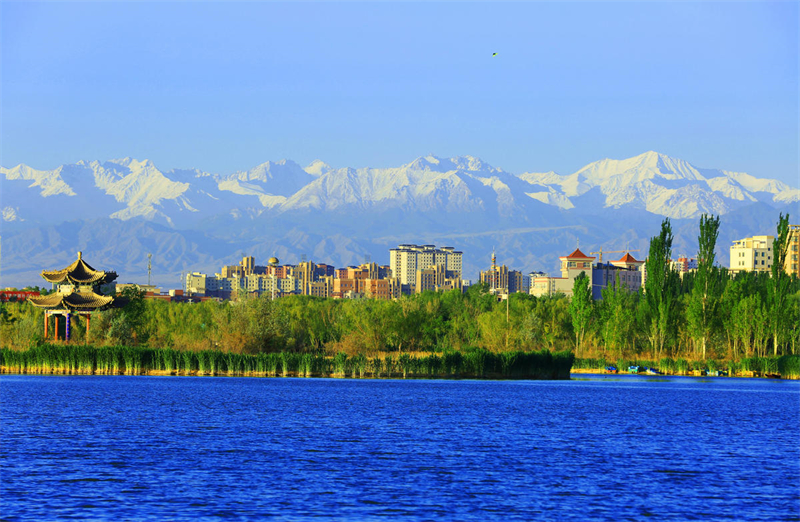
(76, 294)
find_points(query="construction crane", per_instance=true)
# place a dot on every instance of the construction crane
(600, 253)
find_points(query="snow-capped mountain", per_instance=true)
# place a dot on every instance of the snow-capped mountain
(192, 219)
(428, 184)
(127, 188)
(666, 186)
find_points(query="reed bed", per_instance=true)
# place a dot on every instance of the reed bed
(789, 366)
(127, 360)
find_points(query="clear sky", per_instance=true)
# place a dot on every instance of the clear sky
(225, 87)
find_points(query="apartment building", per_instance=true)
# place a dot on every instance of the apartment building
(684, 264)
(369, 280)
(406, 260)
(437, 278)
(792, 264)
(756, 253)
(752, 254)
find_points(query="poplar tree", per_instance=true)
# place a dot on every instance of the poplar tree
(778, 285)
(616, 316)
(661, 286)
(580, 308)
(705, 292)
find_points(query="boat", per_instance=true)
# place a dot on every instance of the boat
(612, 369)
(633, 369)
(652, 371)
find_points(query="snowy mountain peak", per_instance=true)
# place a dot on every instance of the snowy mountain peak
(462, 163)
(318, 168)
(132, 163)
(649, 165)
(125, 188)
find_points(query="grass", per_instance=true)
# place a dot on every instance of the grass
(115, 360)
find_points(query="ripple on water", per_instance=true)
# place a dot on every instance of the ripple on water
(100, 448)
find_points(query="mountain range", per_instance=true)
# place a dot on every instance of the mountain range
(191, 220)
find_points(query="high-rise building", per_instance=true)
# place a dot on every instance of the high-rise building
(437, 278)
(406, 260)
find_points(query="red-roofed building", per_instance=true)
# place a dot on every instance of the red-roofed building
(16, 295)
(628, 261)
(571, 267)
(627, 270)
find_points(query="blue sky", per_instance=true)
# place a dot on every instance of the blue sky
(224, 87)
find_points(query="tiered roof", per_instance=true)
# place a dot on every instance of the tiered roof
(75, 288)
(78, 273)
(77, 301)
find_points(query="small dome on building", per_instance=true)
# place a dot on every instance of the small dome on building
(273, 260)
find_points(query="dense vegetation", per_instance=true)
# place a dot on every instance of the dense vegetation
(130, 360)
(707, 315)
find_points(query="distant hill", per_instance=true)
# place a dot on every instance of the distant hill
(119, 210)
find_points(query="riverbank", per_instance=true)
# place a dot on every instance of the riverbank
(784, 367)
(127, 360)
(692, 373)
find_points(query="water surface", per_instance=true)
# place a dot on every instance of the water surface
(594, 448)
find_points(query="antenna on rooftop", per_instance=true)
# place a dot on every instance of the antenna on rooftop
(149, 266)
(367, 259)
(303, 258)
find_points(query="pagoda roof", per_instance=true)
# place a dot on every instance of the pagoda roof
(628, 258)
(577, 254)
(78, 301)
(79, 273)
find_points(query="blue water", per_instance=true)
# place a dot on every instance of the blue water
(597, 448)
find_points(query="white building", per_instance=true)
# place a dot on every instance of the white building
(628, 271)
(571, 267)
(406, 260)
(752, 254)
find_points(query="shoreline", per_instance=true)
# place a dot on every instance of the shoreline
(289, 374)
(369, 375)
(692, 373)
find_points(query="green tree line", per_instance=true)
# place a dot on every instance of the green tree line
(705, 314)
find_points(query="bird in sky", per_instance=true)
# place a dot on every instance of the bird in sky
(494, 54)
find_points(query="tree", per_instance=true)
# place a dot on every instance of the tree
(728, 305)
(778, 286)
(616, 316)
(701, 313)
(127, 323)
(660, 287)
(580, 308)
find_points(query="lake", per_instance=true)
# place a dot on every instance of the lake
(210, 448)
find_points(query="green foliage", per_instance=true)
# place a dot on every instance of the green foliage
(305, 334)
(581, 309)
(701, 313)
(779, 285)
(662, 288)
(789, 366)
(617, 323)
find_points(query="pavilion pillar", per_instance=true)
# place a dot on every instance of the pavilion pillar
(46, 320)
(56, 331)
(68, 318)
(88, 316)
